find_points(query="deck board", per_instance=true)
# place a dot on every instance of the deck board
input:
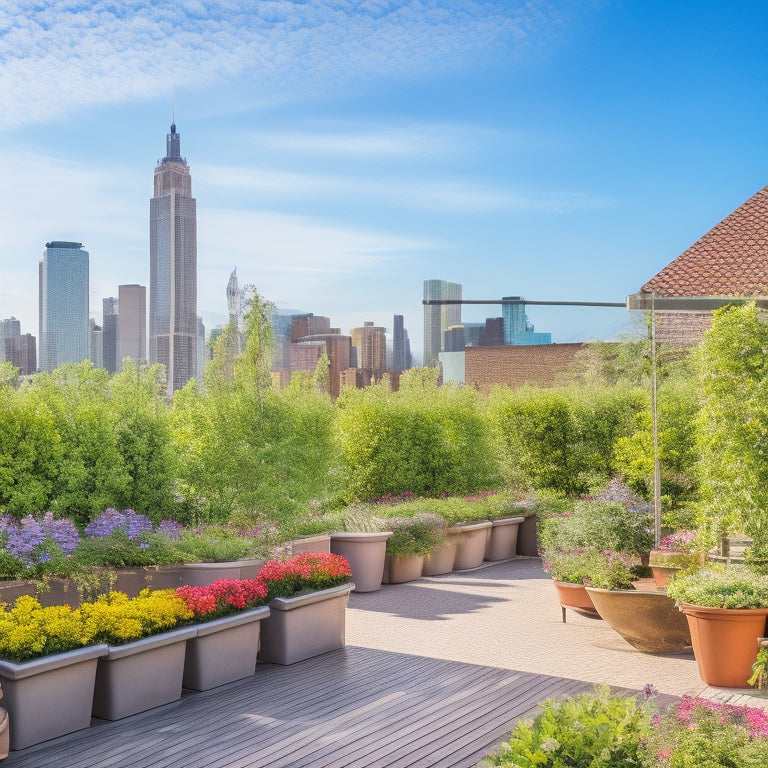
(355, 707)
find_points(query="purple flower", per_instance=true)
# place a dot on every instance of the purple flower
(170, 529)
(28, 539)
(109, 521)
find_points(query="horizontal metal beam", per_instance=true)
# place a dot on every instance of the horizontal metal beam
(428, 302)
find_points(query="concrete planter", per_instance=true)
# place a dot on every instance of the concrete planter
(203, 574)
(442, 559)
(365, 553)
(503, 542)
(319, 543)
(224, 650)
(49, 696)
(298, 628)
(471, 541)
(648, 621)
(398, 570)
(527, 540)
(141, 675)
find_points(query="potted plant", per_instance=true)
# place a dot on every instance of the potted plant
(412, 540)
(227, 614)
(363, 544)
(676, 552)
(307, 600)
(569, 568)
(648, 621)
(48, 659)
(726, 608)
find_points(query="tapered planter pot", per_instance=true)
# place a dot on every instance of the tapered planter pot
(365, 553)
(224, 650)
(503, 542)
(527, 539)
(471, 541)
(401, 569)
(301, 627)
(203, 574)
(442, 559)
(49, 696)
(575, 597)
(141, 675)
(648, 621)
(725, 642)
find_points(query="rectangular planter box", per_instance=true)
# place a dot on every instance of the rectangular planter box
(49, 696)
(305, 626)
(141, 675)
(224, 650)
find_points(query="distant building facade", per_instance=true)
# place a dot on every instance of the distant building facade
(109, 334)
(132, 323)
(401, 346)
(439, 317)
(63, 313)
(518, 330)
(173, 327)
(21, 351)
(492, 335)
(370, 343)
(95, 344)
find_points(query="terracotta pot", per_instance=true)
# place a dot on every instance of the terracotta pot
(502, 544)
(575, 597)
(365, 553)
(442, 559)
(648, 621)
(472, 539)
(725, 642)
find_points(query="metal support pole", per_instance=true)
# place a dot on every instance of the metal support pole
(654, 410)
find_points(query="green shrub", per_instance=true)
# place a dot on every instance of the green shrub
(719, 586)
(419, 535)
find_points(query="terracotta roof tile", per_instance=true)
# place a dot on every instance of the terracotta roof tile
(730, 260)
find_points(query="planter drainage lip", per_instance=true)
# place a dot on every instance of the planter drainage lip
(148, 643)
(12, 670)
(289, 603)
(362, 536)
(507, 521)
(233, 620)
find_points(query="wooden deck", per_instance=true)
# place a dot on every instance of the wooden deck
(354, 707)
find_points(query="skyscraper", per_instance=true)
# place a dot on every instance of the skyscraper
(401, 346)
(131, 323)
(439, 317)
(370, 341)
(173, 267)
(110, 357)
(63, 296)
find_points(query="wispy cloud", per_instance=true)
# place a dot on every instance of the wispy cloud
(62, 55)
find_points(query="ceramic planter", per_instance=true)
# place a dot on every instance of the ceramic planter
(49, 696)
(502, 544)
(203, 574)
(402, 569)
(575, 597)
(365, 553)
(648, 621)
(301, 627)
(141, 675)
(527, 541)
(725, 642)
(223, 650)
(319, 543)
(666, 562)
(471, 541)
(441, 560)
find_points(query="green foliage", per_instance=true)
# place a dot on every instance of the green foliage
(421, 535)
(733, 424)
(563, 439)
(423, 438)
(594, 730)
(732, 586)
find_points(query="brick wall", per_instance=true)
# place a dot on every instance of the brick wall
(682, 329)
(515, 366)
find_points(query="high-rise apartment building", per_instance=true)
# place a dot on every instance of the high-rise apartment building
(173, 327)
(63, 294)
(21, 351)
(110, 318)
(401, 346)
(95, 344)
(518, 330)
(10, 328)
(131, 323)
(439, 317)
(370, 341)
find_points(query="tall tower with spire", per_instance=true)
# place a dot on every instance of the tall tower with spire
(173, 267)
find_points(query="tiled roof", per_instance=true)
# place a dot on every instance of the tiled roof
(730, 260)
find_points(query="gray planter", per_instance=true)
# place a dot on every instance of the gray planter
(224, 650)
(470, 551)
(402, 569)
(527, 541)
(141, 675)
(49, 696)
(442, 559)
(301, 627)
(503, 542)
(319, 543)
(365, 553)
(203, 574)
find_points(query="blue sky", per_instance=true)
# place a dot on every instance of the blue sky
(342, 152)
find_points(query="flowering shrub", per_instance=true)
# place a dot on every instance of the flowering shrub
(699, 732)
(223, 596)
(307, 572)
(419, 535)
(570, 565)
(733, 586)
(682, 541)
(109, 521)
(36, 545)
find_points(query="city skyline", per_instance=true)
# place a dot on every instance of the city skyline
(343, 155)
